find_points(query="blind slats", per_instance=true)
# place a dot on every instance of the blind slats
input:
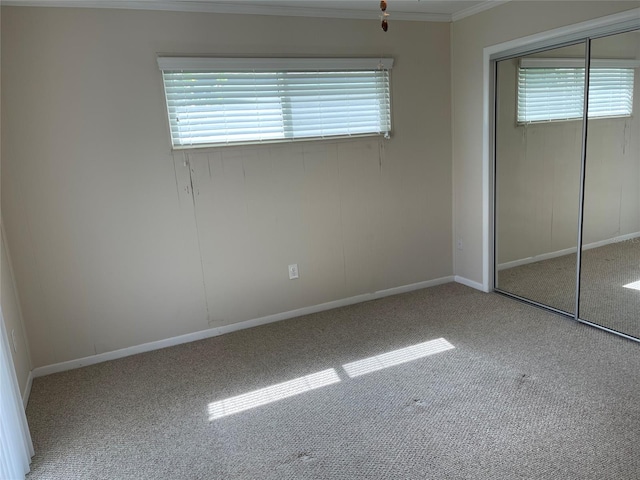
(250, 98)
(546, 94)
(207, 107)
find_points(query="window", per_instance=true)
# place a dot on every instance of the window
(222, 101)
(553, 89)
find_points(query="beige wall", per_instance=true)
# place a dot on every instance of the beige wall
(469, 37)
(347, 212)
(12, 315)
(13, 319)
(612, 187)
(538, 170)
(111, 251)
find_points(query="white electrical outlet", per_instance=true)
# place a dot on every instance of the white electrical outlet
(293, 271)
(459, 244)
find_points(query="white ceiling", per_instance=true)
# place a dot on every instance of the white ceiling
(420, 10)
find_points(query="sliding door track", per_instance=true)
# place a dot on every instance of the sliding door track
(535, 304)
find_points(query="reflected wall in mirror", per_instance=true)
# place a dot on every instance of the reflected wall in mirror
(610, 267)
(538, 148)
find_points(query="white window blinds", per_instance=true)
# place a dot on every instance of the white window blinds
(224, 101)
(553, 89)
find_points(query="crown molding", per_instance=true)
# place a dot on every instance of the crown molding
(229, 8)
(481, 7)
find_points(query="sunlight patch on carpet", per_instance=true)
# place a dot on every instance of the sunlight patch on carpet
(271, 394)
(396, 357)
(633, 285)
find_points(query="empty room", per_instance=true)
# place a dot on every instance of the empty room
(320, 240)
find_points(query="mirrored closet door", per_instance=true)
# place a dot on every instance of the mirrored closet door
(538, 145)
(610, 266)
(567, 192)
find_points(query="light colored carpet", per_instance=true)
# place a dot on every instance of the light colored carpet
(550, 282)
(603, 299)
(524, 394)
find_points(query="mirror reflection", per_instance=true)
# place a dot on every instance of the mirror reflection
(610, 267)
(538, 147)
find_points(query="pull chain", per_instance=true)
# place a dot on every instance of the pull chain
(383, 17)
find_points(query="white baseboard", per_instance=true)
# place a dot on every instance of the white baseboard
(216, 331)
(468, 283)
(566, 251)
(27, 390)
